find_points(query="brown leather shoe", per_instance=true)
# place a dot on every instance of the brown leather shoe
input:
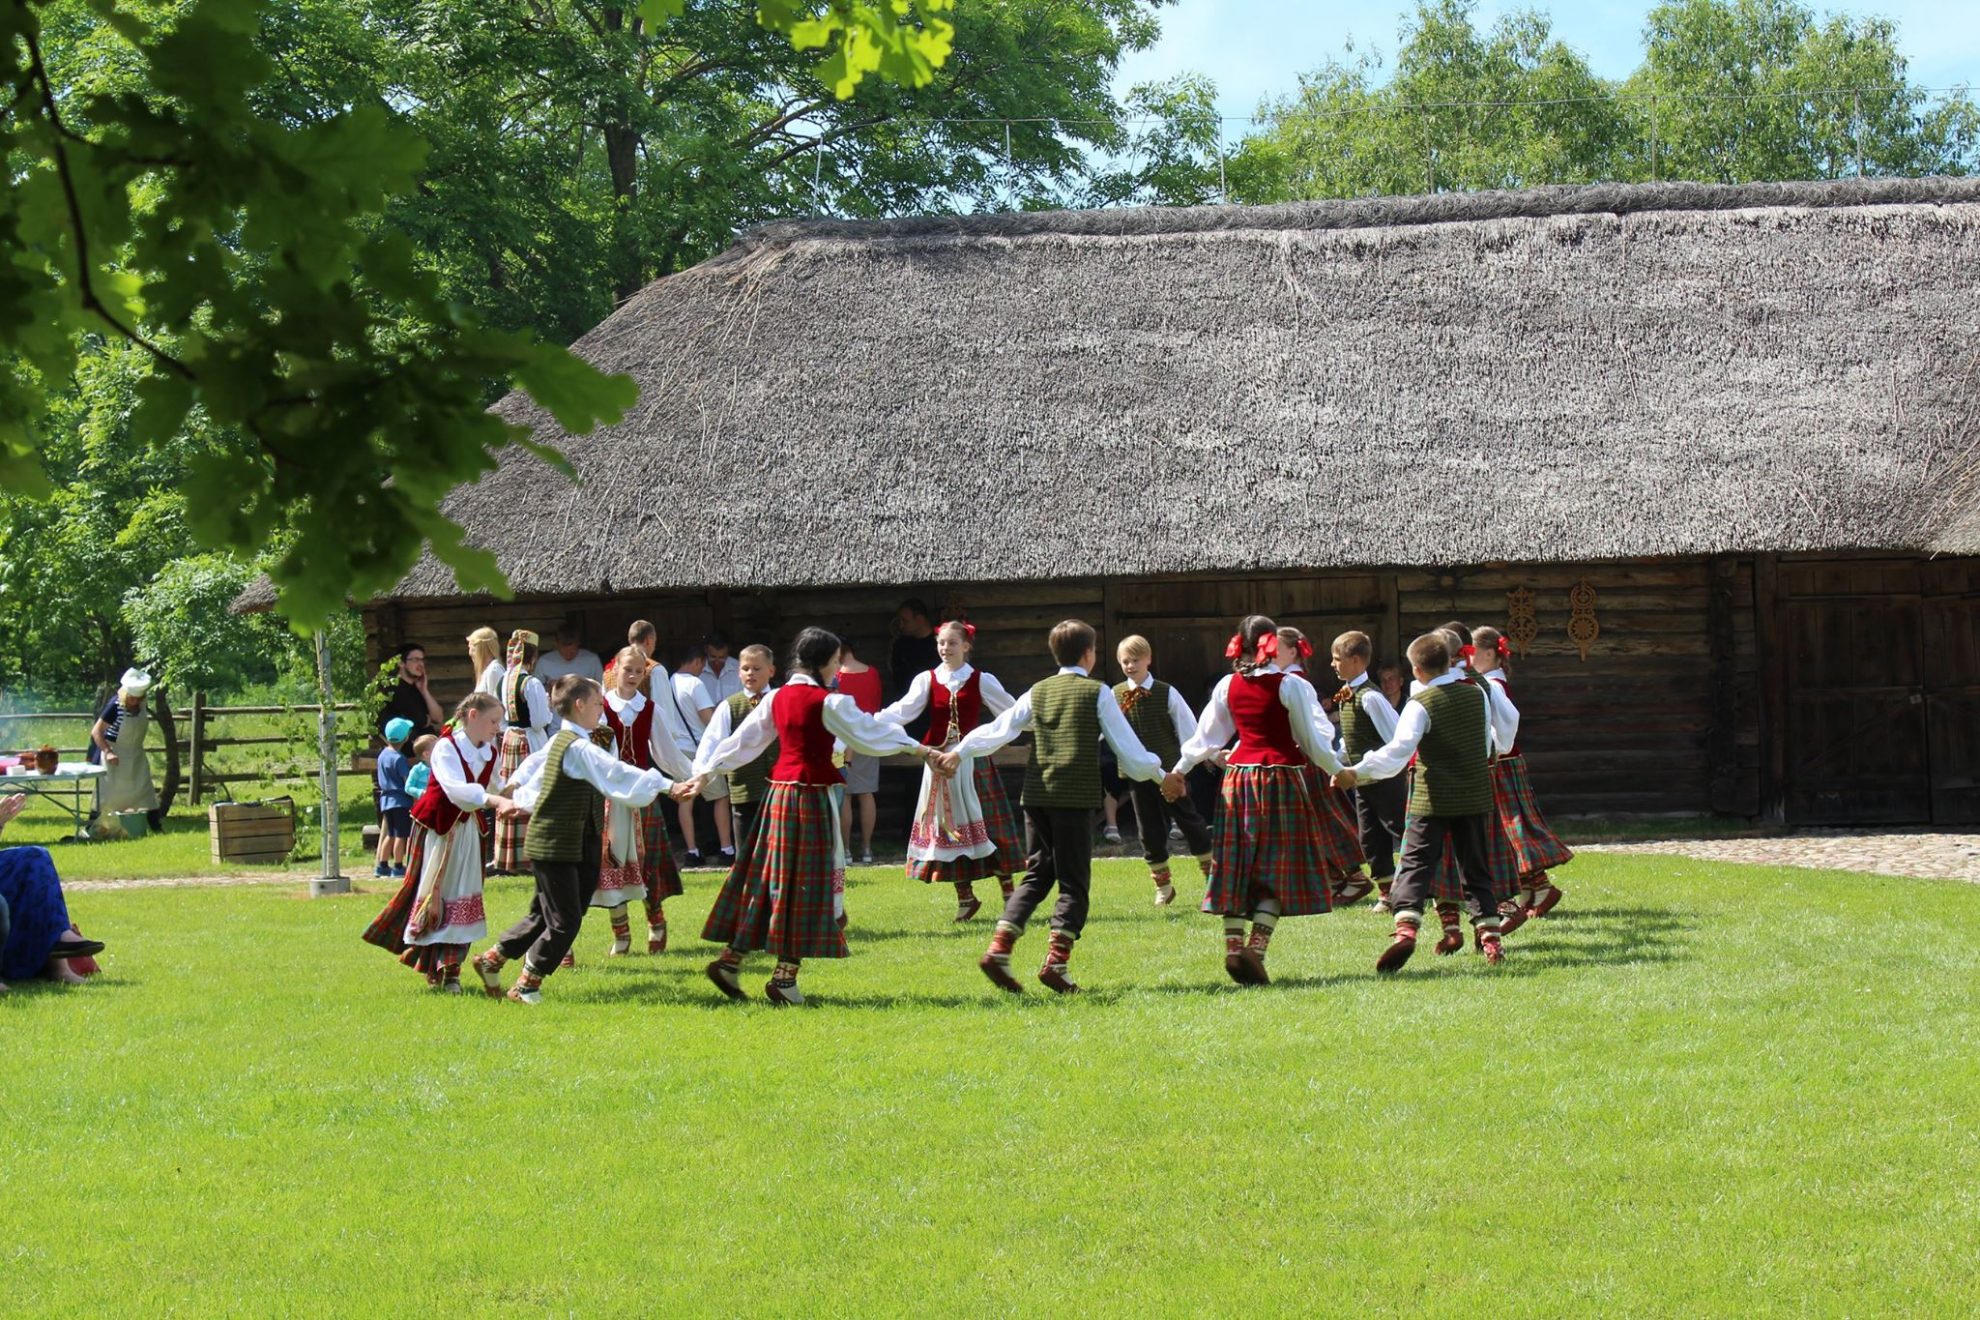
(1238, 969)
(727, 978)
(967, 909)
(1255, 961)
(490, 974)
(1057, 981)
(1546, 903)
(1353, 892)
(656, 939)
(999, 974)
(1401, 945)
(1495, 952)
(1450, 941)
(783, 996)
(1513, 920)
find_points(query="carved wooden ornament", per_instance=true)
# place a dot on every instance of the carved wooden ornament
(1522, 625)
(1582, 627)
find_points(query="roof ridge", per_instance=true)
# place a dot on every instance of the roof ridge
(1380, 212)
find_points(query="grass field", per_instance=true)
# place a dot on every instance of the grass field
(1701, 1090)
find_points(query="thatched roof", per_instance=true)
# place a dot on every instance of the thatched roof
(1566, 373)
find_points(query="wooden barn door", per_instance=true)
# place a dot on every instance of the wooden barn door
(1952, 689)
(1855, 695)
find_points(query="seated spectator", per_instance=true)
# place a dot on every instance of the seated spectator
(569, 658)
(38, 938)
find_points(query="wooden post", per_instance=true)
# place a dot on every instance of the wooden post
(1722, 737)
(1773, 688)
(196, 754)
(169, 727)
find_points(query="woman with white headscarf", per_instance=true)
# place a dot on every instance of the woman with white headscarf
(117, 744)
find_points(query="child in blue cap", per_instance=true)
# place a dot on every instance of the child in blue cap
(394, 802)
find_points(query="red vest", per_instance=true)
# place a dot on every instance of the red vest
(967, 707)
(1264, 725)
(436, 810)
(804, 744)
(635, 740)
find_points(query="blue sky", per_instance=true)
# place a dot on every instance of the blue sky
(1252, 48)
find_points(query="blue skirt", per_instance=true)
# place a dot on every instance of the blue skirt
(34, 903)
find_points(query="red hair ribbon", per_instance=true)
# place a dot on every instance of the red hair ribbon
(1467, 651)
(1305, 649)
(1235, 647)
(1268, 647)
(969, 629)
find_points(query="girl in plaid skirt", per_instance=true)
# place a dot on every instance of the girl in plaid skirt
(638, 860)
(786, 892)
(1340, 834)
(964, 829)
(1273, 856)
(527, 726)
(438, 911)
(1532, 848)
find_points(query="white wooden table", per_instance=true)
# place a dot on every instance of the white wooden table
(66, 788)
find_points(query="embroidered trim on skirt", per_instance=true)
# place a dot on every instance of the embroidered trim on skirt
(1270, 844)
(1534, 847)
(785, 893)
(948, 842)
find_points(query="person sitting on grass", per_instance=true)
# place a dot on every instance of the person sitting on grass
(38, 939)
(394, 803)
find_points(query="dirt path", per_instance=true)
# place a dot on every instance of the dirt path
(1902, 852)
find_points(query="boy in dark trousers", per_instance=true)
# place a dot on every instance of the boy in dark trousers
(1367, 721)
(1447, 727)
(1162, 719)
(562, 789)
(1068, 715)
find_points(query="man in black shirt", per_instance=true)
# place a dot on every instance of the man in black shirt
(411, 699)
(914, 652)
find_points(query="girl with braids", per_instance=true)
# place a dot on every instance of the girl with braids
(964, 829)
(527, 725)
(438, 912)
(786, 892)
(1271, 859)
(1340, 838)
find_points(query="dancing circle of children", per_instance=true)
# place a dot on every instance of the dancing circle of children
(786, 893)
(437, 912)
(563, 790)
(1271, 859)
(963, 828)
(638, 860)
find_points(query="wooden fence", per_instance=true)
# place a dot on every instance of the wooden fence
(187, 759)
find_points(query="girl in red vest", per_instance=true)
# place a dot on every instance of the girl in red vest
(437, 912)
(964, 829)
(1272, 858)
(638, 860)
(1340, 835)
(786, 892)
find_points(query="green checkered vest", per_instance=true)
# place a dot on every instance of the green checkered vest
(1151, 723)
(1065, 744)
(1452, 775)
(752, 782)
(567, 810)
(1359, 736)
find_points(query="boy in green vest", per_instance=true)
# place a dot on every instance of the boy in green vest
(1164, 722)
(562, 789)
(756, 665)
(1447, 727)
(1367, 721)
(1068, 715)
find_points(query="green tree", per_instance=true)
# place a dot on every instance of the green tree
(1737, 90)
(157, 202)
(1173, 152)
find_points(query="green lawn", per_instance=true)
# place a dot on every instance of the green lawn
(1705, 1090)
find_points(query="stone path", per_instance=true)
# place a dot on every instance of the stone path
(1890, 852)
(193, 881)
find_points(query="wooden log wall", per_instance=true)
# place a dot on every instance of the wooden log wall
(1663, 715)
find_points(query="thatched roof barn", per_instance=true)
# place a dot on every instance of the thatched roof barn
(1744, 416)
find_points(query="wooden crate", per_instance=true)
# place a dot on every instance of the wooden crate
(252, 832)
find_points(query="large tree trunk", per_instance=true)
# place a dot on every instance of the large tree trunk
(622, 159)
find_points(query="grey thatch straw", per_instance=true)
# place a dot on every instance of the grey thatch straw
(1560, 374)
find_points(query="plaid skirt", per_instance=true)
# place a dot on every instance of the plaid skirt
(650, 873)
(999, 818)
(1340, 829)
(783, 894)
(1535, 849)
(1447, 886)
(509, 834)
(1270, 844)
